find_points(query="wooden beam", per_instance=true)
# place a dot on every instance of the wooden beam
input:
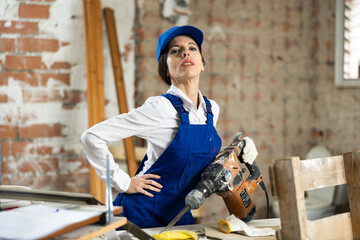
(120, 86)
(328, 172)
(95, 81)
(291, 198)
(352, 172)
(332, 227)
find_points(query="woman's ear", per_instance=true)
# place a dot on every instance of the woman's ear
(203, 66)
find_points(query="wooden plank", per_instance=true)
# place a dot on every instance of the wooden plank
(352, 171)
(287, 175)
(120, 86)
(334, 227)
(92, 231)
(328, 172)
(95, 83)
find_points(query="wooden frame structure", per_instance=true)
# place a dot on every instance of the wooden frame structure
(291, 177)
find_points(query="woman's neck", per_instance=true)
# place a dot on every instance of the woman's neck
(191, 90)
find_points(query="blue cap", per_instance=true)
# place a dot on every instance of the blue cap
(167, 36)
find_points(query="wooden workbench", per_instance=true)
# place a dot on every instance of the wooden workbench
(211, 231)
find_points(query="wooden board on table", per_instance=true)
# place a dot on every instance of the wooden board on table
(94, 230)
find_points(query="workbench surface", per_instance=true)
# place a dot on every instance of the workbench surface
(211, 231)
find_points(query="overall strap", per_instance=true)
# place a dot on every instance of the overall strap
(178, 105)
(209, 112)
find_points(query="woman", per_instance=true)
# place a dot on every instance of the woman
(179, 128)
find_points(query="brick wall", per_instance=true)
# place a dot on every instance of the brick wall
(270, 67)
(39, 146)
(43, 90)
(43, 107)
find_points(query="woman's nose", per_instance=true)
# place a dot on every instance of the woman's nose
(186, 53)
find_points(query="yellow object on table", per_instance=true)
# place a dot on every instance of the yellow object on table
(176, 235)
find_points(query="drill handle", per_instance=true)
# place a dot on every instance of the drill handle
(254, 171)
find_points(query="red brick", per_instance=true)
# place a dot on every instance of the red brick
(28, 78)
(8, 131)
(3, 80)
(15, 62)
(72, 97)
(38, 165)
(74, 163)
(34, 11)
(49, 182)
(49, 164)
(75, 182)
(287, 26)
(40, 130)
(13, 149)
(34, 96)
(19, 27)
(7, 167)
(3, 98)
(44, 150)
(61, 65)
(41, 95)
(61, 77)
(37, 45)
(27, 167)
(64, 44)
(7, 44)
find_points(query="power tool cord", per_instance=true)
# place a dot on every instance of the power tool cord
(263, 186)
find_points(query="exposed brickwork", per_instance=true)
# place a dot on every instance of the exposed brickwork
(8, 131)
(36, 93)
(15, 148)
(61, 78)
(270, 67)
(25, 77)
(20, 62)
(7, 44)
(33, 11)
(37, 45)
(40, 130)
(19, 27)
(61, 65)
(3, 98)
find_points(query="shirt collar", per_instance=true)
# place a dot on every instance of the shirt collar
(188, 103)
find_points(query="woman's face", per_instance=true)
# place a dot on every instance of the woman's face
(184, 59)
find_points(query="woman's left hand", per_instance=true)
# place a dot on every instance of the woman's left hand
(138, 184)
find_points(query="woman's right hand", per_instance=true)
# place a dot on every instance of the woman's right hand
(138, 184)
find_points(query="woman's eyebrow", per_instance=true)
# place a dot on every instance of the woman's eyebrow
(176, 45)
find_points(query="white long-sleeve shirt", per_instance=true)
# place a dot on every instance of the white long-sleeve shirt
(156, 121)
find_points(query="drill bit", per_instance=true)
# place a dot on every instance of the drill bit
(172, 223)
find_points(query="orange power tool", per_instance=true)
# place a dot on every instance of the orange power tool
(225, 177)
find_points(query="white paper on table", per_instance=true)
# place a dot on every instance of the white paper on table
(41, 220)
(234, 224)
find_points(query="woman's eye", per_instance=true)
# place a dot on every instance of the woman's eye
(174, 51)
(193, 49)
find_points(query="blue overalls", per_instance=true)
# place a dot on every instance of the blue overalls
(180, 167)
